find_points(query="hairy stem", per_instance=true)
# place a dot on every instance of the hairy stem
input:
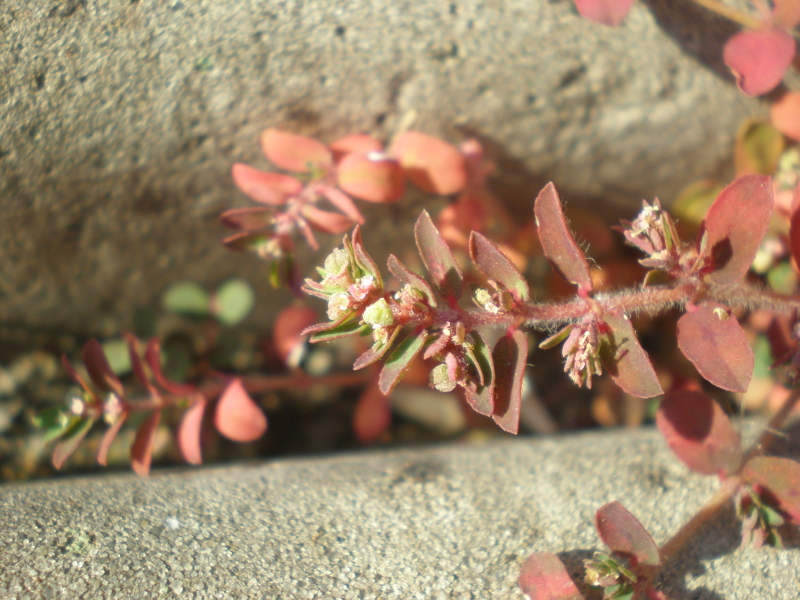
(730, 13)
(746, 295)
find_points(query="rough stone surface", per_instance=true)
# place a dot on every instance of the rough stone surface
(448, 522)
(119, 120)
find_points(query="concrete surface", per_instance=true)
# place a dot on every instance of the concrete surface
(446, 522)
(120, 119)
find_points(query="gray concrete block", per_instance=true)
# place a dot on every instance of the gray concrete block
(453, 521)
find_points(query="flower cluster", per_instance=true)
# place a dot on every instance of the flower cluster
(654, 233)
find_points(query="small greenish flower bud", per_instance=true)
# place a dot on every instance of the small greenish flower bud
(440, 380)
(337, 305)
(336, 263)
(378, 314)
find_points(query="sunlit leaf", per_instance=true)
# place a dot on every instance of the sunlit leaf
(399, 361)
(268, 188)
(326, 221)
(732, 240)
(699, 432)
(237, 416)
(372, 416)
(371, 177)
(99, 370)
(55, 422)
(142, 448)
(431, 164)
(294, 152)
(626, 361)
(342, 201)
(510, 355)
(70, 441)
(717, 345)
(407, 276)
(759, 58)
(188, 435)
(495, 265)
(758, 149)
(233, 301)
(785, 115)
(357, 142)
(557, 242)
(781, 477)
(544, 577)
(438, 259)
(625, 535)
(377, 351)
(187, 299)
(605, 12)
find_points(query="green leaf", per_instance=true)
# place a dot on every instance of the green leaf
(480, 358)
(187, 299)
(54, 421)
(233, 301)
(399, 360)
(119, 359)
(758, 148)
(344, 329)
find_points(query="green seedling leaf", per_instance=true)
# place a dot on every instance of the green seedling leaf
(407, 276)
(758, 149)
(187, 299)
(431, 164)
(233, 302)
(438, 259)
(626, 361)
(116, 352)
(732, 241)
(625, 535)
(99, 370)
(510, 355)
(699, 432)
(781, 478)
(142, 448)
(480, 356)
(713, 340)
(108, 438)
(494, 264)
(559, 246)
(237, 416)
(544, 577)
(71, 440)
(54, 421)
(189, 432)
(294, 152)
(399, 360)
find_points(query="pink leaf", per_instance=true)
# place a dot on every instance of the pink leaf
(438, 259)
(785, 115)
(781, 477)
(625, 535)
(94, 359)
(605, 12)
(294, 152)
(248, 219)
(142, 448)
(373, 415)
(431, 164)
(557, 242)
(188, 435)
(759, 58)
(494, 264)
(342, 201)
(699, 432)
(626, 361)
(268, 188)
(543, 577)
(717, 345)
(371, 177)
(786, 13)
(360, 143)
(326, 221)
(287, 336)
(237, 417)
(732, 240)
(510, 355)
(108, 439)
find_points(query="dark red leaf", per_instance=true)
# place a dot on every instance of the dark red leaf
(544, 577)
(99, 370)
(137, 365)
(438, 259)
(625, 535)
(152, 357)
(510, 355)
(75, 376)
(732, 240)
(699, 432)
(70, 442)
(781, 477)
(557, 242)
(759, 58)
(794, 228)
(399, 361)
(237, 417)
(431, 164)
(626, 361)
(407, 276)
(188, 435)
(713, 340)
(295, 152)
(605, 12)
(142, 448)
(248, 219)
(494, 264)
(108, 439)
(373, 414)
(267, 188)
(371, 177)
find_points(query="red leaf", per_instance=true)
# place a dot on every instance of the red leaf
(699, 432)
(786, 13)
(494, 264)
(342, 201)
(781, 477)
(438, 259)
(247, 219)
(268, 188)
(137, 365)
(407, 276)
(543, 577)
(605, 12)
(373, 415)
(371, 177)
(295, 152)
(75, 376)
(94, 359)
(732, 240)
(626, 361)
(237, 417)
(399, 361)
(625, 535)
(108, 439)
(559, 246)
(357, 142)
(431, 164)
(759, 58)
(510, 355)
(70, 442)
(785, 115)
(717, 346)
(188, 435)
(142, 448)
(326, 221)
(152, 357)
(287, 336)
